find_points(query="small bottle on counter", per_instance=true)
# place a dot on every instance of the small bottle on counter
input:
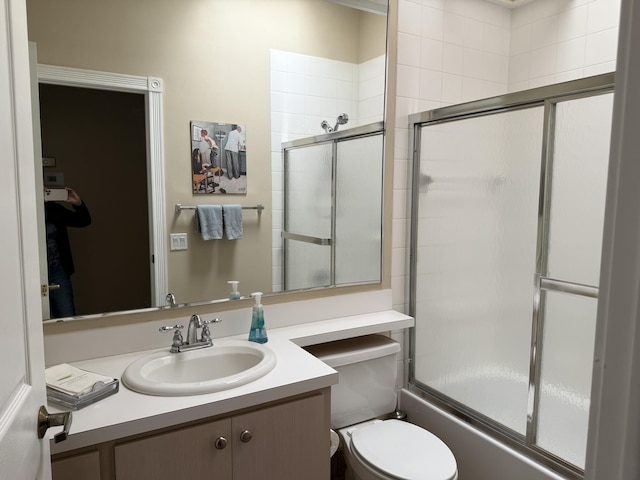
(258, 332)
(235, 294)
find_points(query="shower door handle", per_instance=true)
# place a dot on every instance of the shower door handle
(306, 238)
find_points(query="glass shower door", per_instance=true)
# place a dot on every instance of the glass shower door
(308, 212)
(507, 227)
(476, 253)
(580, 159)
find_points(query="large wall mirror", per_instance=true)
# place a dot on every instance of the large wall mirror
(289, 73)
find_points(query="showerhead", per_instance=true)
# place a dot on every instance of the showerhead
(342, 119)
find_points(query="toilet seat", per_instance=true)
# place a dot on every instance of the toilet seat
(403, 451)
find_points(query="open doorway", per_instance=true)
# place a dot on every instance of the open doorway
(94, 141)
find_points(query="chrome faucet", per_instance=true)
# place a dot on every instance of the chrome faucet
(192, 332)
(171, 299)
(179, 345)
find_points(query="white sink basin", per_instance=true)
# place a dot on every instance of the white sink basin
(196, 372)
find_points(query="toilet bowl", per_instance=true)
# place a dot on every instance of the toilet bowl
(393, 449)
(378, 449)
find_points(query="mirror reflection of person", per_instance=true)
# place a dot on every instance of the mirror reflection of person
(232, 147)
(59, 260)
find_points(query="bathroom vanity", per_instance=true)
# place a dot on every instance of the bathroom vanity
(286, 440)
(275, 427)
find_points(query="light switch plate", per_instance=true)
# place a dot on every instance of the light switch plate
(178, 241)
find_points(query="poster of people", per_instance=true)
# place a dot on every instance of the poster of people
(218, 158)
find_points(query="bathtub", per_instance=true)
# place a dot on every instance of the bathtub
(479, 456)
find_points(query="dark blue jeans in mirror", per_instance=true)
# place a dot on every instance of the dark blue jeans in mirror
(60, 299)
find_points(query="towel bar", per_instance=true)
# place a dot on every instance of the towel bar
(179, 207)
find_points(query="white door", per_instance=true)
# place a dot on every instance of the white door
(22, 454)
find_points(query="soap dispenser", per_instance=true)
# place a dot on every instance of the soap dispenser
(235, 294)
(258, 332)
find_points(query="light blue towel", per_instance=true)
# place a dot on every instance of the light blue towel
(209, 221)
(232, 221)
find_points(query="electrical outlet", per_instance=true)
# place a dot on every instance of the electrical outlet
(178, 241)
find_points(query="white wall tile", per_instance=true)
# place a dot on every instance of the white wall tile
(564, 5)
(295, 63)
(453, 59)
(522, 16)
(495, 68)
(492, 89)
(408, 50)
(430, 85)
(451, 88)
(572, 23)
(599, 69)
(601, 47)
(520, 68)
(570, 75)
(408, 81)
(543, 61)
(571, 55)
(544, 32)
(544, 8)
(455, 6)
(473, 32)
(496, 40)
(602, 15)
(431, 54)
(409, 16)
(439, 4)
(471, 89)
(453, 28)
(520, 40)
(472, 63)
(432, 23)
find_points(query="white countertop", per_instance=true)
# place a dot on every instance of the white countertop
(296, 372)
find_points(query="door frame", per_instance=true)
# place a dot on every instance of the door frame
(152, 88)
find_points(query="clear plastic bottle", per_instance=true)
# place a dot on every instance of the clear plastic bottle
(258, 332)
(235, 294)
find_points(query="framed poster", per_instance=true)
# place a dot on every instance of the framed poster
(218, 158)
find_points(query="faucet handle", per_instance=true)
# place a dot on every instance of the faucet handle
(206, 333)
(177, 336)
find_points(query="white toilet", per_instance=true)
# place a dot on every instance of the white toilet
(378, 449)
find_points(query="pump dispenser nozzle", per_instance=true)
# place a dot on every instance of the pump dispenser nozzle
(258, 332)
(235, 294)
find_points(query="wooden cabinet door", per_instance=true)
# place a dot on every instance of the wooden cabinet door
(85, 466)
(289, 441)
(189, 453)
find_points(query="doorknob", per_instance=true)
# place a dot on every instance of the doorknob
(46, 420)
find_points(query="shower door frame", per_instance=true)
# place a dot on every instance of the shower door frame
(547, 97)
(333, 138)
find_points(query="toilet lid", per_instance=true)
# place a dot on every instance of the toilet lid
(404, 451)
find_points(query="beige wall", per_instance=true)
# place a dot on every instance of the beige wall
(214, 60)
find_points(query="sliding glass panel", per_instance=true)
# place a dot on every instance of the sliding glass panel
(358, 238)
(565, 381)
(308, 172)
(307, 265)
(580, 163)
(308, 207)
(476, 254)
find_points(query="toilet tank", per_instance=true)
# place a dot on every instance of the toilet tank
(367, 370)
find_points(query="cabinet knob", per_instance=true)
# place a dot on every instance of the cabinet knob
(245, 436)
(221, 443)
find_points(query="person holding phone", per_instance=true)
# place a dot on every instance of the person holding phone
(59, 259)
